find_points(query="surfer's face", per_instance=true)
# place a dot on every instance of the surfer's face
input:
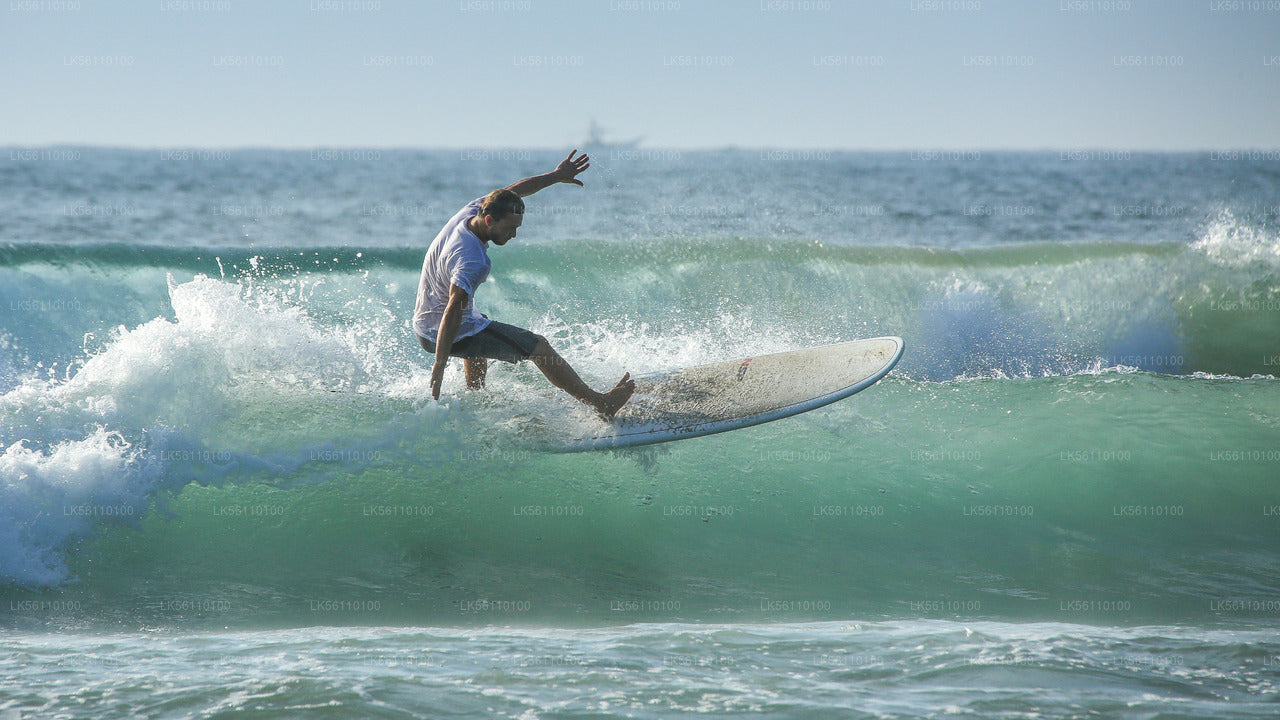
(500, 231)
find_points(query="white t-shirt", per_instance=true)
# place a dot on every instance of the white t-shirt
(455, 257)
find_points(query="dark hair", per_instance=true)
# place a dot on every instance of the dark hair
(501, 203)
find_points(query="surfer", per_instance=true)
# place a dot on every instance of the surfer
(445, 319)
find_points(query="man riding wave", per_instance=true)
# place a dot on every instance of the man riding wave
(457, 262)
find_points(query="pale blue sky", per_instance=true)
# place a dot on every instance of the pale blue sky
(898, 74)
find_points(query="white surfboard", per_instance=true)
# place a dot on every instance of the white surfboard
(729, 395)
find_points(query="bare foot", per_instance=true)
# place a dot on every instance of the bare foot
(611, 402)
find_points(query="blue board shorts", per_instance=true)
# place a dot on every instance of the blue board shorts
(498, 341)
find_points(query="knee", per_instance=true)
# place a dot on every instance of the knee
(542, 350)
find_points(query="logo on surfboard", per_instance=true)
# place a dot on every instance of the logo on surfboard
(742, 369)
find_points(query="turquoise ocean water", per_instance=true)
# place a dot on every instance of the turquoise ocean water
(223, 492)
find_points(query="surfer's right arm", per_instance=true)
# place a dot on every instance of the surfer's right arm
(445, 335)
(566, 172)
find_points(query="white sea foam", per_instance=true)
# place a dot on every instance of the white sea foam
(50, 496)
(189, 393)
(1229, 241)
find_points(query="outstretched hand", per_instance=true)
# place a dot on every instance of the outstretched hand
(570, 167)
(565, 172)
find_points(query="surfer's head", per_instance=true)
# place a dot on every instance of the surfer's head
(501, 213)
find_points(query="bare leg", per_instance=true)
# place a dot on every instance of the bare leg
(476, 369)
(563, 376)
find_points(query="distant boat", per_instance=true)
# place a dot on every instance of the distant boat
(596, 141)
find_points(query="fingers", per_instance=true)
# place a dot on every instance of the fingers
(571, 166)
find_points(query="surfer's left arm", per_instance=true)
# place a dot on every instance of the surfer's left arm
(446, 334)
(566, 172)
